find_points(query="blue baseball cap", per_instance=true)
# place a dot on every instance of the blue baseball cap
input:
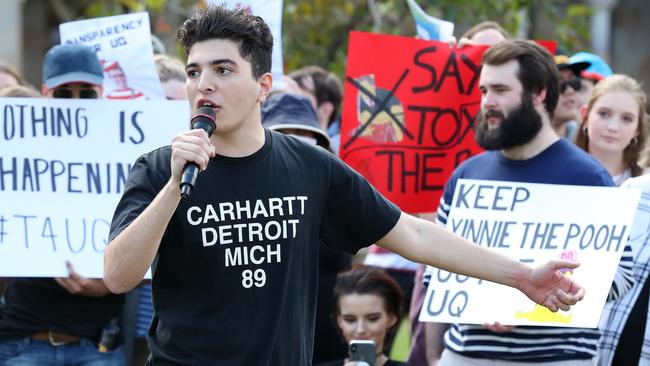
(597, 65)
(71, 63)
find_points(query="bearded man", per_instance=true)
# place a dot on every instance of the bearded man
(519, 85)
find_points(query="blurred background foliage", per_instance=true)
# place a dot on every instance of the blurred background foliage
(316, 31)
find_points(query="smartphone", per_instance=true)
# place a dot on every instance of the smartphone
(362, 351)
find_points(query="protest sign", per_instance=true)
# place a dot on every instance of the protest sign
(63, 166)
(533, 223)
(123, 45)
(408, 115)
(429, 27)
(271, 12)
(616, 312)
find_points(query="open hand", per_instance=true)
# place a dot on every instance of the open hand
(547, 286)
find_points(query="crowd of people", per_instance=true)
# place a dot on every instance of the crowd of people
(543, 118)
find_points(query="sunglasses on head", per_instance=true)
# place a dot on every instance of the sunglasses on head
(574, 84)
(70, 93)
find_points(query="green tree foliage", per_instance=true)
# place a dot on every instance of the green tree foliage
(316, 31)
(165, 15)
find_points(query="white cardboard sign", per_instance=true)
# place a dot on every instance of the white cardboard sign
(63, 166)
(533, 223)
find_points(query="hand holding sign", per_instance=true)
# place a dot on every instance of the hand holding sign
(497, 327)
(79, 285)
(547, 286)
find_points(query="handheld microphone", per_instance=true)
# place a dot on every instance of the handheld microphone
(205, 120)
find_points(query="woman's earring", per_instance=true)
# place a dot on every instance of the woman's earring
(634, 141)
(584, 128)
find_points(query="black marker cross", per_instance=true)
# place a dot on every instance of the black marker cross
(381, 107)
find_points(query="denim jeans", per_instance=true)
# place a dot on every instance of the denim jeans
(29, 352)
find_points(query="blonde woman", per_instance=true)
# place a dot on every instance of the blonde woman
(614, 129)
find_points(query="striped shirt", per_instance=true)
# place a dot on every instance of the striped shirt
(560, 163)
(145, 311)
(125, 94)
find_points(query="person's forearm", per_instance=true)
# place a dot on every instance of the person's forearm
(130, 254)
(431, 244)
(434, 334)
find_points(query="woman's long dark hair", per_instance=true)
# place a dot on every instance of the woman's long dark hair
(364, 280)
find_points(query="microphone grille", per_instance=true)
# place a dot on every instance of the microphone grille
(205, 119)
(206, 112)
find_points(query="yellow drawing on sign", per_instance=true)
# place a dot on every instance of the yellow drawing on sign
(543, 315)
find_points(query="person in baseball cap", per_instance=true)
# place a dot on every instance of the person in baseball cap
(566, 112)
(570, 70)
(72, 71)
(590, 76)
(43, 319)
(598, 69)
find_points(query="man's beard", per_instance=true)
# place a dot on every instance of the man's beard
(520, 126)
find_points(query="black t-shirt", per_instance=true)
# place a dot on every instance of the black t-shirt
(40, 304)
(234, 280)
(331, 260)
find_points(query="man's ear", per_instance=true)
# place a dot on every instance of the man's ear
(324, 112)
(539, 97)
(265, 83)
(44, 89)
(583, 114)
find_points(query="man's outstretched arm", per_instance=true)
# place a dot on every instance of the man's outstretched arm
(426, 242)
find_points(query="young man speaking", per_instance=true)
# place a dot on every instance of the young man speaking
(235, 264)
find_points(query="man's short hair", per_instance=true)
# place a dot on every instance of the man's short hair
(483, 26)
(19, 91)
(537, 69)
(327, 86)
(169, 68)
(217, 22)
(7, 68)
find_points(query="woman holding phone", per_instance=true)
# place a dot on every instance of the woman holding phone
(367, 306)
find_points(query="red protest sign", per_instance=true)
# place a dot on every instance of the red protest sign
(551, 46)
(408, 114)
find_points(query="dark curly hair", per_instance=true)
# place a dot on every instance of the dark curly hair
(250, 32)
